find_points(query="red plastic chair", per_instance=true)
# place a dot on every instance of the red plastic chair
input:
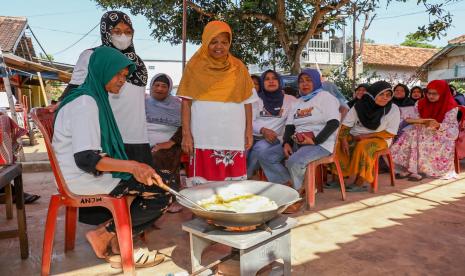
(457, 144)
(315, 172)
(43, 118)
(378, 154)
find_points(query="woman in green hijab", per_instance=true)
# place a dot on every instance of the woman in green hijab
(90, 151)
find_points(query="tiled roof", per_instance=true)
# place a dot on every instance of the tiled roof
(457, 40)
(11, 29)
(393, 55)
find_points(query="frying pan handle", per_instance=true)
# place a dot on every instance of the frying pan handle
(290, 203)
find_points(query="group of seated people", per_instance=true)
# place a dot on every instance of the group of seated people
(419, 126)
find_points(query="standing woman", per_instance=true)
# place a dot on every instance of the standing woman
(217, 94)
(368, 127)
(428, 147)
(128, 106)
(270, 115)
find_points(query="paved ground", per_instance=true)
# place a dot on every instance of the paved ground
(410, 229)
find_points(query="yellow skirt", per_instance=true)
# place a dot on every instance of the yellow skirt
(361, 158)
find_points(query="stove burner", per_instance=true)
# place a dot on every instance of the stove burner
(239, 229)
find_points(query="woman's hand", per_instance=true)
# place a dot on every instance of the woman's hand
(345, 146)
(165, 145)
(269, 135)
(188, 144)
(248, 139)
(143, 173)
(433, 124)
(360, 137)
(287, 149)
(307, 140)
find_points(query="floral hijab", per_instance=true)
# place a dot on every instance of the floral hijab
(109, 20)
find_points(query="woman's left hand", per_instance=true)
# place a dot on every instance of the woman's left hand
(248, 139)
(165, 145)
(433, 124)
(307, 140)
(360, 137)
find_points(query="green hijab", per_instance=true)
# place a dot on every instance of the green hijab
(104, 64)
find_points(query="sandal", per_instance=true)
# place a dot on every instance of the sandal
(143, 257)
(402, 175)
(294, 208)
(356, 189)
(332, 185)
(415, 177)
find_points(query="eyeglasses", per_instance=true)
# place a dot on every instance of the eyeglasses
(432, 94)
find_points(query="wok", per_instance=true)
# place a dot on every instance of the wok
(282, 195)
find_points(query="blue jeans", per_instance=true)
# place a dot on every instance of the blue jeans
(296, 165)
(258, 147)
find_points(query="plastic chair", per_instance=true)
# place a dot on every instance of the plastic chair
(378, 154)
(314, 172)
(43, 118)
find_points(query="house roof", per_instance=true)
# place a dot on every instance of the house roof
(457, 40)
(11, 31)
(452, 44)
(394, 55)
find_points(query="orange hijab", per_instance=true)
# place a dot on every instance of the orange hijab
(209, 79)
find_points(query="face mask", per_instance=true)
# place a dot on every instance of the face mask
(122, 41)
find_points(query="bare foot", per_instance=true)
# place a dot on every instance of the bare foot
(99, 239)
(115, 245)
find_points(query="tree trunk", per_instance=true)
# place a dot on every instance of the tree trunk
(295, 64)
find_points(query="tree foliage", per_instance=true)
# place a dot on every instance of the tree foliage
(261, 26)
(413, 40)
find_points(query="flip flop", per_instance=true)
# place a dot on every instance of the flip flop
(332, 185)
(400, 176)
(415, 179)
(143, 257)
(356, 189)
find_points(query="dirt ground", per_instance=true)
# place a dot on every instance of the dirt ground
(409, 229)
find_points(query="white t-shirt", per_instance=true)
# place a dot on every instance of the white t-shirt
(128, 106)
(275, 123)
(218, 125)
(313, 115)
(389, 122)
(159, 133)
(77, 129)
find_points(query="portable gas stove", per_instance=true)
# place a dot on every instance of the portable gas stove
(257, 247)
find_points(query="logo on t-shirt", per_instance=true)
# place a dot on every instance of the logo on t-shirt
(265, 113)
(302, 113)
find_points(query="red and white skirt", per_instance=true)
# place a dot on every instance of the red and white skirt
(217, 165)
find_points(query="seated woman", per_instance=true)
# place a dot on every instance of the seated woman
(358, 93)
(428, 147)
(406, 105)
(368, 127)
(416, 93)
(269, 116)
(256, 82)
(163, 113)
(313, 120)
(90, 152)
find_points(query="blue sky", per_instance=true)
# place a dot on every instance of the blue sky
(59, 24)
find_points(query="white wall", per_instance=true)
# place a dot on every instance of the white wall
(393, 74)
(172, 68)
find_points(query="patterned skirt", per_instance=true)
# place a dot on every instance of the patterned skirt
(217, 165)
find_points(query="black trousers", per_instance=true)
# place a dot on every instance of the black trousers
(150, 203)
(98, 215)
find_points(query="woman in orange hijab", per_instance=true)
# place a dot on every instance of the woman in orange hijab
(427, 147)
(217, 94)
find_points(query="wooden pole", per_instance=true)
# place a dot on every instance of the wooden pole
(354, 48)
(184, 32)
(6, 82)
(42, 89)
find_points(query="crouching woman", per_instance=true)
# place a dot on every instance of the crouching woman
(90, 151)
